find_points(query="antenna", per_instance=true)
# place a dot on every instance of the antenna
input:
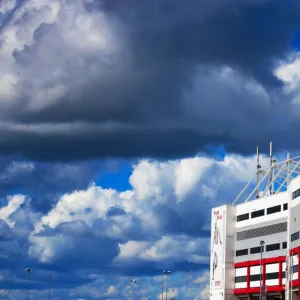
(272, 167)
(271, 188)
(258, 166)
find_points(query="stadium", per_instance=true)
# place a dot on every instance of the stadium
(255, 241)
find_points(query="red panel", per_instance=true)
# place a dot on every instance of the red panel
(298, 269)
(265, 260)
(257, 289)
(280, 274)
(275, 288)
(270, 260)
(248, 277)
(295, 250)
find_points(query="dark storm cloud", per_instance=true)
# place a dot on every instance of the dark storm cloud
(132, 101)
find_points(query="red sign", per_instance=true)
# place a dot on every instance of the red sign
(217, 213)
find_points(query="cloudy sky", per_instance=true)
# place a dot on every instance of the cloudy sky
(122, 123)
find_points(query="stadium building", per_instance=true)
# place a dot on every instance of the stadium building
(255, 242)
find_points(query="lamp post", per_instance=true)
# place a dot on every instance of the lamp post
(133, 283)
(27, 281)
(261, 251)
(166, 274)
(50, 279)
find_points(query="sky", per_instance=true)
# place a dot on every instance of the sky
(122, 123)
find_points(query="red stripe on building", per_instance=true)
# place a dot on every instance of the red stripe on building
(265, 261)
(257, 289)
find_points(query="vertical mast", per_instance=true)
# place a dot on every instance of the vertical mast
(272, 170)
(258, 166)
(288, 258)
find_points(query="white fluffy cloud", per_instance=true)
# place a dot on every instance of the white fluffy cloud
(13, 205)
(180, 187)
(163, 221)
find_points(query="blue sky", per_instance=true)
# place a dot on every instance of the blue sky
(122, 124)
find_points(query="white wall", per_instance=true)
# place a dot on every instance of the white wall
(272, 268)
(241, 272)
(225, 271)
(264, 203)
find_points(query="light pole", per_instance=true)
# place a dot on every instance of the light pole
(261, 251)
(133, 283)
(162, 290)
(27, 281)
(50, 279)
(166, 274)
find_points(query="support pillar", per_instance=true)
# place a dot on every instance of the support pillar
(264, 274)
(248, 277)
(280, 274)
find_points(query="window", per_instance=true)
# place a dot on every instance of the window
(295, 236)
(241, 252)
(256, 250)
(295, 269)
(239, 279)
(285, 206)
(283, 274)
(274, 275)
(296, 194)
(242, 217)
(284, 245)
(274, 209)
(255, 277)
(273, 247)
(257, 213)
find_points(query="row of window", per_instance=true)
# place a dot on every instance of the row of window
(269, 276)
(254, 250)
(296, 194)
(261, 212)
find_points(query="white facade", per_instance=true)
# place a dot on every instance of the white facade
(236, 232)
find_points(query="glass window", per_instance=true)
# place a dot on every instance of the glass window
(285, 206)
(295, 236)
(239, 279)
(242, 217)
(284, 245)
(256, 250)
(273, 247)
(274, 275)
(296, 194)
(295, 269)
(257, 213)
(241, 252)
(274, 209)
(255, 277)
